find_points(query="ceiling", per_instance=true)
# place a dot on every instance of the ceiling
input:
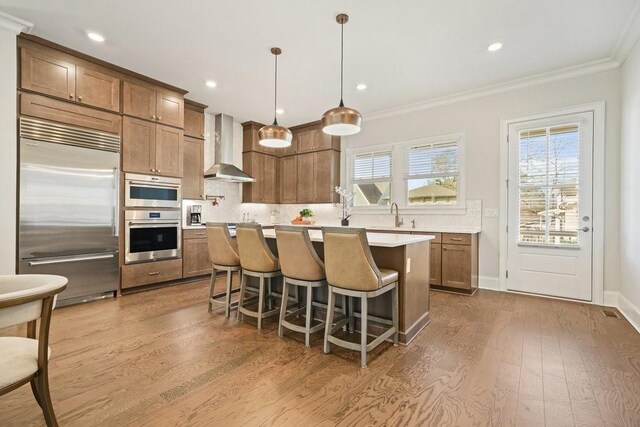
(406, 52)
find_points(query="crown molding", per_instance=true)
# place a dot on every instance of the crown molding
(628, 37)
(13, 24)
(538, 79)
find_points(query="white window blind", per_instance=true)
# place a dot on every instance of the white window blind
(431, 160)
(371, 167)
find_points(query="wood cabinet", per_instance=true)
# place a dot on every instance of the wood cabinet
(456, 266)
(153, 103)
(66, 112)
(193, 168)
(194, 119)
(52, 74)
(264, 169)
(250, 140)
(288, 179)
(311, 138)
(150, 148)
(195, 253)
(318, 174)
(150, 272)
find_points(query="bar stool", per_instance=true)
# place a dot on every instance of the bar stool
(25, 299)
(301, 267)
(351, 271)
(256, 260)
(224, 255)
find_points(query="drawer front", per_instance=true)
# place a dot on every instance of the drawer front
(438, 236)
(151, 272)
(191, 233)
(456, 239)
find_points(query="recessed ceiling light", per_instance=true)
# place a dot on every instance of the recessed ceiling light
(493, 47)
(95, 37)
(279, 111)
(211, 83)
(361, 86)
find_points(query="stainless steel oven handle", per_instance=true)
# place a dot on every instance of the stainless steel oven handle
(152, 224)
(153, 184)
(70, 259)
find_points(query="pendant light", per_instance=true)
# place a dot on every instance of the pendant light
(274, 135)
(341, 121)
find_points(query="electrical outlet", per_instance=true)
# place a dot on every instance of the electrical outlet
(408, 265)
(491, 213)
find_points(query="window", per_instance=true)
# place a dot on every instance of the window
(549, 162)
(370, 178)
(432, 174)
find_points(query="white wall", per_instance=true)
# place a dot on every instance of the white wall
(630, 181)
(480, 119)
(8, 151)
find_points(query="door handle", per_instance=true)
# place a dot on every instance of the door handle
(70, 259)
(585, 229)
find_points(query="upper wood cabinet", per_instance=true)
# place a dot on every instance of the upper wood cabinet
(150, 148)
(55, 76)
(97, 89)
(193, 168)
(263, 168)
(250, 141)
(193, 120)
(153, 103)
(310, 138)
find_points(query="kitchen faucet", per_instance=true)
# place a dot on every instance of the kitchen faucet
(399, 221)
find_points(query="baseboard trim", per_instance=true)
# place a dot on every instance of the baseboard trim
(626, 307)
(489, 282)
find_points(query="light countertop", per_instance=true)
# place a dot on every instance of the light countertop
(403, 229)
(385, 240)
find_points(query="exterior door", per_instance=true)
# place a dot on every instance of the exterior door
(549, 233)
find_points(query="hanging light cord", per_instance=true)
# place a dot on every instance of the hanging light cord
(275, 97)
(341, 62)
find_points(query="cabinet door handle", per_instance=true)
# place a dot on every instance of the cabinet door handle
(153, 273)
(153, 117)
(200, 234)
(456, 239)
(153, 170)
(80, 98)
(158, 170)
(71, 95)
(159, 118)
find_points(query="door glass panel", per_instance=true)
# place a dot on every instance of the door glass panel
(549, 160)
(153, 239)
(148, 193)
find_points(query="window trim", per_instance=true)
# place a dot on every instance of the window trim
(399, 185)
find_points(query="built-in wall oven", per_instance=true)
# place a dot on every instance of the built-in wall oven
(152, 235)
(150, 191)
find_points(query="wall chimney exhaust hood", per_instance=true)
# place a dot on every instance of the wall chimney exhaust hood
(223, 168)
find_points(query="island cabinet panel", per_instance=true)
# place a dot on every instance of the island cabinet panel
(139, 101)
(48, 74)
(138, 146)
(97, 89)
(193, 168)
(66, 112)
(195, 253)
(288, 179)
(169, 151)
(170, 109)
(193, 123)
(150, 272)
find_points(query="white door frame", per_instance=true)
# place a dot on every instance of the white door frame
(597, 266)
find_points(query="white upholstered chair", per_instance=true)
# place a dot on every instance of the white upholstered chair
(25, 299)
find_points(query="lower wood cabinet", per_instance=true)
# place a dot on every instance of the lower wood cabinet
(195, 253)
(435, 270)
(150, 272)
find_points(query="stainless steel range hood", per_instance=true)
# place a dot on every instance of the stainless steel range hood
(223, 168)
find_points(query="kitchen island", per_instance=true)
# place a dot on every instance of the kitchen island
(403, 253)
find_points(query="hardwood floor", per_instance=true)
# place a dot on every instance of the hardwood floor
(159, 358)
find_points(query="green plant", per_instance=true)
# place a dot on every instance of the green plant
(306, 213)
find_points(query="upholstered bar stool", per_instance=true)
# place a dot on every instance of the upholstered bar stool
(25, 299)
(256, 260)
(351, 271)
(224, 255)
(301, 267)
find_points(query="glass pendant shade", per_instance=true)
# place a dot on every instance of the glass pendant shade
(275, 136)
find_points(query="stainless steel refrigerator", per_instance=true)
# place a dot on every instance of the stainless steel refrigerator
(68, 213)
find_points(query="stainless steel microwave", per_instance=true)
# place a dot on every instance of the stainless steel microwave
(150, 191)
